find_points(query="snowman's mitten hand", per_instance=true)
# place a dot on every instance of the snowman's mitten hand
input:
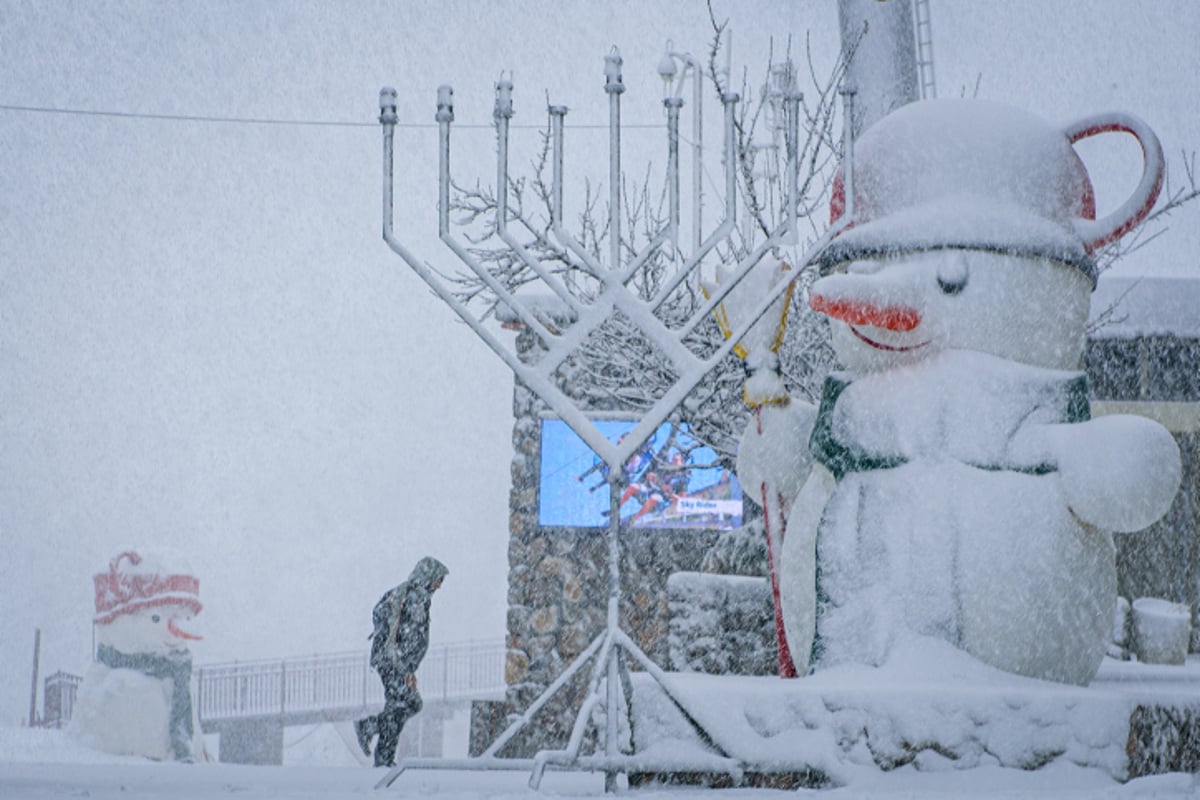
(774, 450)
(1118, 472)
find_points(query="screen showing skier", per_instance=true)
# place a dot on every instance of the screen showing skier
(672, 481)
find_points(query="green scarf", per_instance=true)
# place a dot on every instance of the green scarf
(842, 458)
(178, 668)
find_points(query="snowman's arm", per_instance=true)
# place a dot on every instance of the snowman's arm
(774, 450)
(1119, 472)
(798, 572)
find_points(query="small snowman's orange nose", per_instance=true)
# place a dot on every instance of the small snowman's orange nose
(181, 634)
(858, 312)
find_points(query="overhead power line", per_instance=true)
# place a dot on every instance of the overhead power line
(186, 117)
(329, 123)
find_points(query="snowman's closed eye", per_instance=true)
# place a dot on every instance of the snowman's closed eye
(952, 277)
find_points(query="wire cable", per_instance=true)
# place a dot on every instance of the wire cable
(188, 117)
(271, 121)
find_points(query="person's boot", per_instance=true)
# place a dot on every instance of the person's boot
(364, 737)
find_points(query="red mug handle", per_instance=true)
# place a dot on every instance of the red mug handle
(1099, 232)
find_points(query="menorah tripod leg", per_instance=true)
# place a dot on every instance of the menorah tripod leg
(610, 670)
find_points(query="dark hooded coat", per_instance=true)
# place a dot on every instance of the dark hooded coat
(401, 620)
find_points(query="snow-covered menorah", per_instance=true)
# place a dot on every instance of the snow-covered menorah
(587, 313)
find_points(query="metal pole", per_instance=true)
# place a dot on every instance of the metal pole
(614, 86)
(673, 104)
(792, 102)
(444, 116)
(388, 119)
(667, 71)
(690, 63)
(612, 685)
(557, 113)
(502, 113)
(730, 101)
(37, 649)
(848, 91)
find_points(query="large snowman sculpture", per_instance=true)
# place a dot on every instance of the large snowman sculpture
(958, 488)
(136, 698)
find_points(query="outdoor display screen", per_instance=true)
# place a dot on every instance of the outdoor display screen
(672, 481)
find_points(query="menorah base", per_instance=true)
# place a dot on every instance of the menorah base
(601, 650)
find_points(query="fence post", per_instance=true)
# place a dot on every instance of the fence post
(37, 649)
(282, 688)
(445, 673)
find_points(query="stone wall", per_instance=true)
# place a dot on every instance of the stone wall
(1164, 739)
(1159, 377)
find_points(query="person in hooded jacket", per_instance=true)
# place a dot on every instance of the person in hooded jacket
(398, 644)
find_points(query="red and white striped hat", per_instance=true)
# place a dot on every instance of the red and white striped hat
(135, 581)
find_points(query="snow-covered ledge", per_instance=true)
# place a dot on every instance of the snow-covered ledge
(935, 708)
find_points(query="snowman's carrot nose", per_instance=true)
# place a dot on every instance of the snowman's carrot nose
(181, 634)
(858, 312)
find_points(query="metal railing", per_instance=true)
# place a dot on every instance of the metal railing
(339, 685)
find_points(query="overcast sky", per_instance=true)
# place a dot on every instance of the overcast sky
(205, 345)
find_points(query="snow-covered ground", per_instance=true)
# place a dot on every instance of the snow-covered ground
(1010, 712)
(38, 764)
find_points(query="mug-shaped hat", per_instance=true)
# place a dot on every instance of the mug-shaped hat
(133, 583)
(975, 175)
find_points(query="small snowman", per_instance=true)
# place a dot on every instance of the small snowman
(960, 489)
(136, 698)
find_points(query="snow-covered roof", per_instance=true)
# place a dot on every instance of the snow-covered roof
(1147, 306)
